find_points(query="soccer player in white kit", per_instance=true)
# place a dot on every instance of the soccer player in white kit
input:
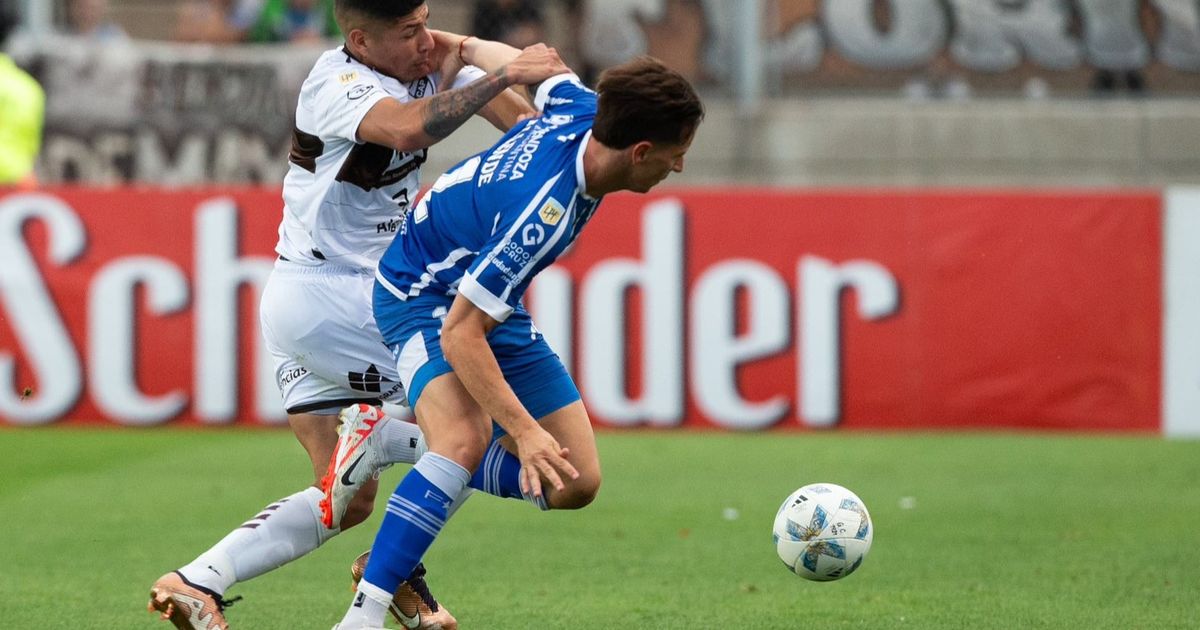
(367, 113)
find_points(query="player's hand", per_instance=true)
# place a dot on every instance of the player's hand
(535, 64)
(445, 56)
(527, 116)
(542, 456)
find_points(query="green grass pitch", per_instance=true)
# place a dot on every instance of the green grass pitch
(971, 531)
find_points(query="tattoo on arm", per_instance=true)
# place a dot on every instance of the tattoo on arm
(449, 110)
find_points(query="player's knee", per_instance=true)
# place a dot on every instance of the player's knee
(466, 451)
(578, 494)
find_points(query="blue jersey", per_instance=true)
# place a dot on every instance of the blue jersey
(491, 223)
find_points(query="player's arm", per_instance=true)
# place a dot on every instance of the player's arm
(506, 110)
(490, 55)
(465, 346)
(424, 122)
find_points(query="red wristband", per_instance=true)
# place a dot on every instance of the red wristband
(460, 48)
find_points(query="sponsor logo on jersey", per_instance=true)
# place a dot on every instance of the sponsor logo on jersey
(348, 77)
(554, 100)
(418, 88)
(533, 235)
(552, 212)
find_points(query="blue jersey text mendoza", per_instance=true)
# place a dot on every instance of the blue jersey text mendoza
(486, 228)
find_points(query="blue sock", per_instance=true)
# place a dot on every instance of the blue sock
(499, 474)
(416, 512)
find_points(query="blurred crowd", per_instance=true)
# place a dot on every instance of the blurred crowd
(701, 39)
(517, 22)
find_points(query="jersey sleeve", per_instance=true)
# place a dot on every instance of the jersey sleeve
(467, 76)
(564, 95)
(343, 100)
(519, 248)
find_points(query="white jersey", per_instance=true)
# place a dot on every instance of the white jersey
(343, 198)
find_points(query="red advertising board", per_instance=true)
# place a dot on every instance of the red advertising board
(735, 308)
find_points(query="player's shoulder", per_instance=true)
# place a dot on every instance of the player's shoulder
(563, 91)
(339, 66)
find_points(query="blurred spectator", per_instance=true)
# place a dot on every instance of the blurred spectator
(209, 21)
(89, 19)
(1110, 82)
(517, 23)
(296, 21)
(22, 111)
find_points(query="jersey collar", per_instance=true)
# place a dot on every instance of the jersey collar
(350, 56)
(587, 137)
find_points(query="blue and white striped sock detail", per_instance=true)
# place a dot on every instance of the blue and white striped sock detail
(499, 474)
(416, 513)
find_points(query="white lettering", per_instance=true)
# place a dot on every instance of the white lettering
(550, 298)
(821, 284)
(717, 349)
(918, 31)
(32, 313)
(993, 38)
(220, 274)
(661, 281)
(112, 338)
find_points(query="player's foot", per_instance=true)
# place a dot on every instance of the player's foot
(187, 606)
(413, 606)
(357, 458)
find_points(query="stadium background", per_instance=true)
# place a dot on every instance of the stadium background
(917, 241)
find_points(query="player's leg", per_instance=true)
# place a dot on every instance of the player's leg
(457, 431)
(303, 315)
(544, 387)
(572, 427)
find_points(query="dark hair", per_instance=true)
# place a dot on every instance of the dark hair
(376, 10)
(8, 19)
(642, 99)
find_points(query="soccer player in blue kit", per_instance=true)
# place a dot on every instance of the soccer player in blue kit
(448, 302)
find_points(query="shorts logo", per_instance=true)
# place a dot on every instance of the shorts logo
(367, 381)
(286, 378)
(551, 213)
(533, 235)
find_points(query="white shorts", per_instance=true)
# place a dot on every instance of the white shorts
(321, 332)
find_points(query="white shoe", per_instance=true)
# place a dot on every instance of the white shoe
(357, 457)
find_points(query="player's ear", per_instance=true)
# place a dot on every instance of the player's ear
(357, 38)
(640, 150)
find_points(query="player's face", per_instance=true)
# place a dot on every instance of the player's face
(404, 48)
(652, 163)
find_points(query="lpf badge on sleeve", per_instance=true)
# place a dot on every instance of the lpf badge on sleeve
(551, 213)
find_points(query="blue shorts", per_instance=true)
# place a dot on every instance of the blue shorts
(413, 330)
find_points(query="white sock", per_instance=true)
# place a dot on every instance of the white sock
(459, 501)
(283, 531)
(400, 440)
(369, 607)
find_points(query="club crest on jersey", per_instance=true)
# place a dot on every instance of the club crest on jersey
(552, 212)
(359, 91)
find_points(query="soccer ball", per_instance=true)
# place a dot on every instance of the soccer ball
(823, 532)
